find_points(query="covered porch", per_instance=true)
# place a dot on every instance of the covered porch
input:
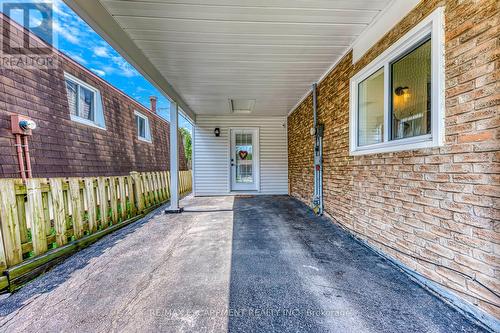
(229, 263)
(294, 106)
(237, 70)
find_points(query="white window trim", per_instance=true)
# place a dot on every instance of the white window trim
(147, 127)
(97, 104)
(432, 25)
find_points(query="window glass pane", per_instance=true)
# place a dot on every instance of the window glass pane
(86, 104)
(141, 127)
(411, 93)
(371, 109)
(72, 91)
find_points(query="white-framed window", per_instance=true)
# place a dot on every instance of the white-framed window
(85, 102)
(142, 126)
(397, 101)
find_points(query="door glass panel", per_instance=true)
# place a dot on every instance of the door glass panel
(244, 157)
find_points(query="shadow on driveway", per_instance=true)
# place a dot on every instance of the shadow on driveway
(295, 272)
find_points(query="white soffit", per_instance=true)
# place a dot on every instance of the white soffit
(381, 25)
(269, 50)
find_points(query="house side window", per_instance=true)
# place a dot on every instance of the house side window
(397, 100)
(142, 126)
(85, 104)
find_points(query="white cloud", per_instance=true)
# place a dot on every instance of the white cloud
(98, 71)
(101, 51)
(69, 34)
(59, 8)
(119, 66)
(124, 67)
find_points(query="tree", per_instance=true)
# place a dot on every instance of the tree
(187, 141)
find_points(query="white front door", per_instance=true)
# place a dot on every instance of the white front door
(244, 159)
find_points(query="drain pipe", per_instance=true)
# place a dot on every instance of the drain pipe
(21, 127)
(317, 132)
(20, 158)
(27, 157)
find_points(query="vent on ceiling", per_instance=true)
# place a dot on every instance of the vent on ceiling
(241, 105)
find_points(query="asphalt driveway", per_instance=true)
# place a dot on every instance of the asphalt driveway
(244, 264)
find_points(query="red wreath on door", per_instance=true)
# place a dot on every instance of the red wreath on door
(243, 154)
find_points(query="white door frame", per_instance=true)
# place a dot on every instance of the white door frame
(255, 156)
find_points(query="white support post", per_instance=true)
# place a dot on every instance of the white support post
(174, 160)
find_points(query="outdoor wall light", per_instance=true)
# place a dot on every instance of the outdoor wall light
(400, 91)
(217, 131)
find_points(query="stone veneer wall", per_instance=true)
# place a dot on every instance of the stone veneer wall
(440, 204)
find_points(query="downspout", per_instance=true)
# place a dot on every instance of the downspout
(315, 105)
(317, 132)
(27, 157)
(20, 158)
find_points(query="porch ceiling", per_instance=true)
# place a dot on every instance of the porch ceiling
(213, 50)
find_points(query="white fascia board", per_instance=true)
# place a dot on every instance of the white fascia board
(382, 24)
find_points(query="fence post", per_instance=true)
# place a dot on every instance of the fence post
(162, 185)
(35, 211)
(123, 198)
(10, 252)
(103, 201)
(139, 198)
(90, 195)
(76, 207)
(157, 187)
(113, 198)
(58, 206)
(131, 195)
(167, 175)
(45, 206)
(21, 216)
(145, 188)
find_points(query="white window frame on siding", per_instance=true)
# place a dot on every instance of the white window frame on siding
(147, 128)
(432, 26)
(99, 121)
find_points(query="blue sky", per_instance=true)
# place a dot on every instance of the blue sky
(76, 39)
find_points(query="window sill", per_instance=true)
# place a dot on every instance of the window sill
(86, 122)
(145, 140)
(425, 141)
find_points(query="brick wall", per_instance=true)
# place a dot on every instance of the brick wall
(438, 204)
(62, 147)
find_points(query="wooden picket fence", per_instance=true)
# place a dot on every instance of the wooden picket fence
(47, 218)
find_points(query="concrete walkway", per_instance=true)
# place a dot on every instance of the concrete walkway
(245, 264)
